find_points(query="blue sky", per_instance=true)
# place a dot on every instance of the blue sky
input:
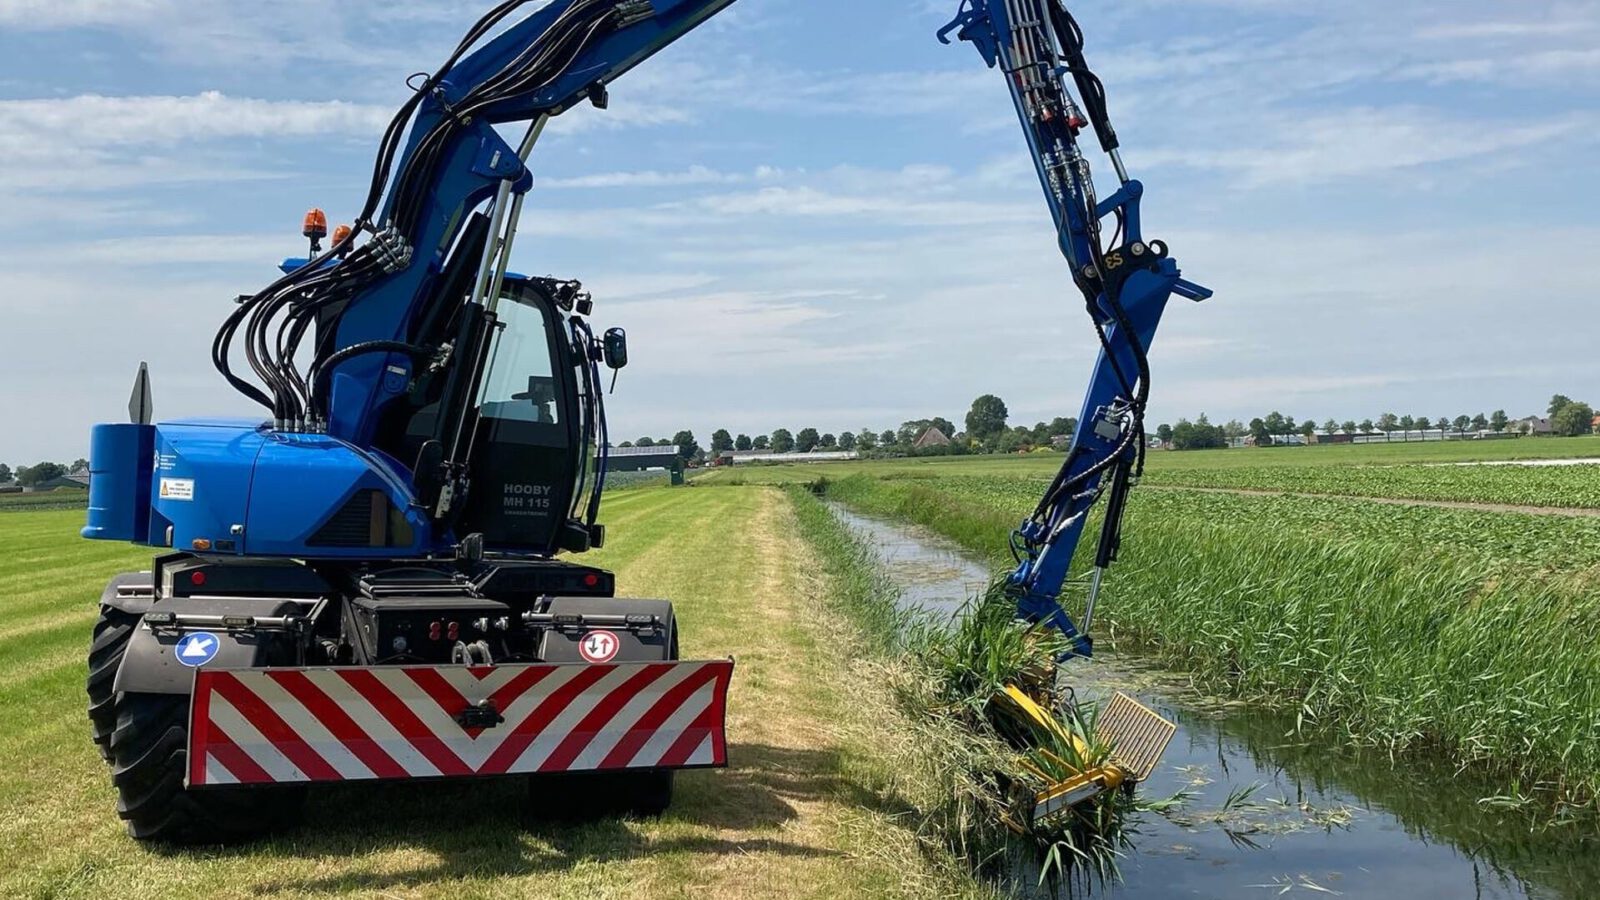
(810, 213)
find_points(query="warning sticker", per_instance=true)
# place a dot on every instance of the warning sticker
(177, 488)
(599, 646)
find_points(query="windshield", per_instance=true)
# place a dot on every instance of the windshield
(521, 384)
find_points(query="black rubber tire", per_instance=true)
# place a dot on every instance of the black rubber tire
(149, 754)
(111, 633)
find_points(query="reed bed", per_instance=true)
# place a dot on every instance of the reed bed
(1470, 634)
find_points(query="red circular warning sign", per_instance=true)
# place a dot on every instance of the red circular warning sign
(599, 646)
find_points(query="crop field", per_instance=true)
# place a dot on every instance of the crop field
(1474, 634)
(1417, 471)
(813, 804)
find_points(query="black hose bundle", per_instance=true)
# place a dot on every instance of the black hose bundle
(1045, 44)
(327, 283)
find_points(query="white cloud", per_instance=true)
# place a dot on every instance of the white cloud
(691, 177)
(51, 14)
(32, 127)
(1361, 141)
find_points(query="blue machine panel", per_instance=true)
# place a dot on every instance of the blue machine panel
(200, 485)
(120, 459)
(313, 496)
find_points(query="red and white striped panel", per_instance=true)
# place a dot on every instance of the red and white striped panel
(254, 726)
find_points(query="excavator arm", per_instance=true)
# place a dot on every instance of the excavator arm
(1125, 281)
(450, 169)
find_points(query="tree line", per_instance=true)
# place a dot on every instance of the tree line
(39, 473)
(1566, 417)
(986, 431)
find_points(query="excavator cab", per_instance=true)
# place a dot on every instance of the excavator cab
(529, 450)
(520, 412)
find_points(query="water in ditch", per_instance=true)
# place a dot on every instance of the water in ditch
(1320, 819)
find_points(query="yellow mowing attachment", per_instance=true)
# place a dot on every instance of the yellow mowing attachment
(1136, 734)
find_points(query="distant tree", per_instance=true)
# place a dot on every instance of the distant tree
(1349, 426)
(782, 441)
(1197, 435)
(1480, 422)
(1462, 423)
(762, 442)
(1424, 423)
(742, 442)
(986, 420)
(1308, 428)
(1498, 420)
(39, 474)
(645, 442)
(1260, 431)
(1012, 440)
(828, 441)
(887, 439)
(1289, 426)
(1556, 403)
(1063, 425)
(688, 448)
(1330, 426)
(625, 444)
(1387, 423)
(5, 474)
(805, 440)
(721, 441)
(847, 440)
(1164, 433)
(1234, 429)
(1275, 423)
(1407, 423)
(1573, 418)
(866, 440)
(1367, 427)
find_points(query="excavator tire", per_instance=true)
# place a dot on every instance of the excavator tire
(149, 754)
(111, 633)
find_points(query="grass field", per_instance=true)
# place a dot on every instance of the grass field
(1415, 471)
(814, 803)
(62, 498)
(1473, 634)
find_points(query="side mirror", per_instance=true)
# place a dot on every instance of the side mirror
(616, 348)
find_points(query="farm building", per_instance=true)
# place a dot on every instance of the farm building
(933, 437)
(638, 459)
(1531, 425)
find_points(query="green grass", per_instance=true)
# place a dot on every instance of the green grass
(60, 498)
(1415, 471)
(1576, 486)
(810, 805)
(1465, 633)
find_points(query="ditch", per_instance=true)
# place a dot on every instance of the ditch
(1269, 810)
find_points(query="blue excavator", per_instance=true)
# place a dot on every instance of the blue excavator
(374, 579)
